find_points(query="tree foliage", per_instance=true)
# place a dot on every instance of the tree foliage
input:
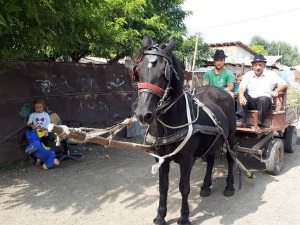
(290, 54)
(257, 40)
(259, 49)
(47, 29)
(187, 49)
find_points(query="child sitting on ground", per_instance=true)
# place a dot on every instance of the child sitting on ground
(39, 120)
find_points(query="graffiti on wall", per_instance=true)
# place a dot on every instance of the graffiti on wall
(56, 84)
(116, 81)
(42, 85)
(25, 111)
(91, 102)
(87, 83)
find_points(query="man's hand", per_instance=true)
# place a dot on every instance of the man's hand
(242, 100)
(274, 93)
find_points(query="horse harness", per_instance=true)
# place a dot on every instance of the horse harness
(182, 133)
(153, 52)
(188, 129)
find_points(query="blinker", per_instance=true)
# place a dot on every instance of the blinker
(152, 58)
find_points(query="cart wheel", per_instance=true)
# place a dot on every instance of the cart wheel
(276, 150)
(290, 139)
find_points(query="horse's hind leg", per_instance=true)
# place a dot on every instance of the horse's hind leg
(205, 189)
(184, 188)
(163, 193)
(229, 189)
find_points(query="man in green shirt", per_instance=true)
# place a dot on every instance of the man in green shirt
(219, 76)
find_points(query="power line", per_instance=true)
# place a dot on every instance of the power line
(246, 20)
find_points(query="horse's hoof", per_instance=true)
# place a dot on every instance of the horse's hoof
(228, 192)
(205, 192)
(159, 221)
(183, 222)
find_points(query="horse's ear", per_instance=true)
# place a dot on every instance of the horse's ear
(170, 46)
(147, 41)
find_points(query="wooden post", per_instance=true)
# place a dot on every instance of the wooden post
(78, 136)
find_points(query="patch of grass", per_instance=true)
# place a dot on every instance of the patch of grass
(293, 97)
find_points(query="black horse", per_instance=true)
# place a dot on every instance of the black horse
(182, 127)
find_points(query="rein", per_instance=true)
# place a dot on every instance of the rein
(156, 166)
(163, 94)
(218, 132)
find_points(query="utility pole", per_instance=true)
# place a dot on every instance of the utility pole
(195, 53)
(195, 80)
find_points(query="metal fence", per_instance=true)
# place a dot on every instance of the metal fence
(90, 94)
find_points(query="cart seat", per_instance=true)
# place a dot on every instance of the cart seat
(275, 119)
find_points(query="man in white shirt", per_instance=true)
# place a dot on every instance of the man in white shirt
(256, 90)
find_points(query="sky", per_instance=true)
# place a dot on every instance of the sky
(237, 20)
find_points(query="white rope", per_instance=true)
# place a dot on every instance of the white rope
(65, 132)
(114, 129)
(181, 126)
(161, 159)
(207, 110)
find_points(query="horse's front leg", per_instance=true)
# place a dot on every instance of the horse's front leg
(205, 189)
(184, 188)
(163, 193)
(229, 189)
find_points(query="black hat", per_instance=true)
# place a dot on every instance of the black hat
(259, 58)
(219, 54)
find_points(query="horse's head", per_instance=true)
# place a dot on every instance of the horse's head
(154, 72)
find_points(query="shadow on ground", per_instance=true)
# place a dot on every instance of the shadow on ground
(117, 187)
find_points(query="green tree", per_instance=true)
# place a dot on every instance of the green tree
(47, 29)
(259, 41)
(186, 50)
(159, 19)
(290, 55)
(259, 49)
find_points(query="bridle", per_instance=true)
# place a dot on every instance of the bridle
(169, 71)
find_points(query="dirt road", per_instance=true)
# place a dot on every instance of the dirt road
(116, 187)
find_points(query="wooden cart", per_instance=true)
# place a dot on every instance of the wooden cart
(279, 135)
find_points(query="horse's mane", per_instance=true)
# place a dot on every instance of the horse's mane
(180, 73)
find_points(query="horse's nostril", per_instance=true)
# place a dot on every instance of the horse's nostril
(148, 117)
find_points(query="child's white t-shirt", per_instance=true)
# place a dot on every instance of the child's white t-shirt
(40, 120)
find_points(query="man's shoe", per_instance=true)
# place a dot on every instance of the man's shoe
(240, 124)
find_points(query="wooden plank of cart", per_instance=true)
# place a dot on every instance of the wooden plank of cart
(278, 135)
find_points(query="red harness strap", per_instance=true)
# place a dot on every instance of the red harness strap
(151, 87)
